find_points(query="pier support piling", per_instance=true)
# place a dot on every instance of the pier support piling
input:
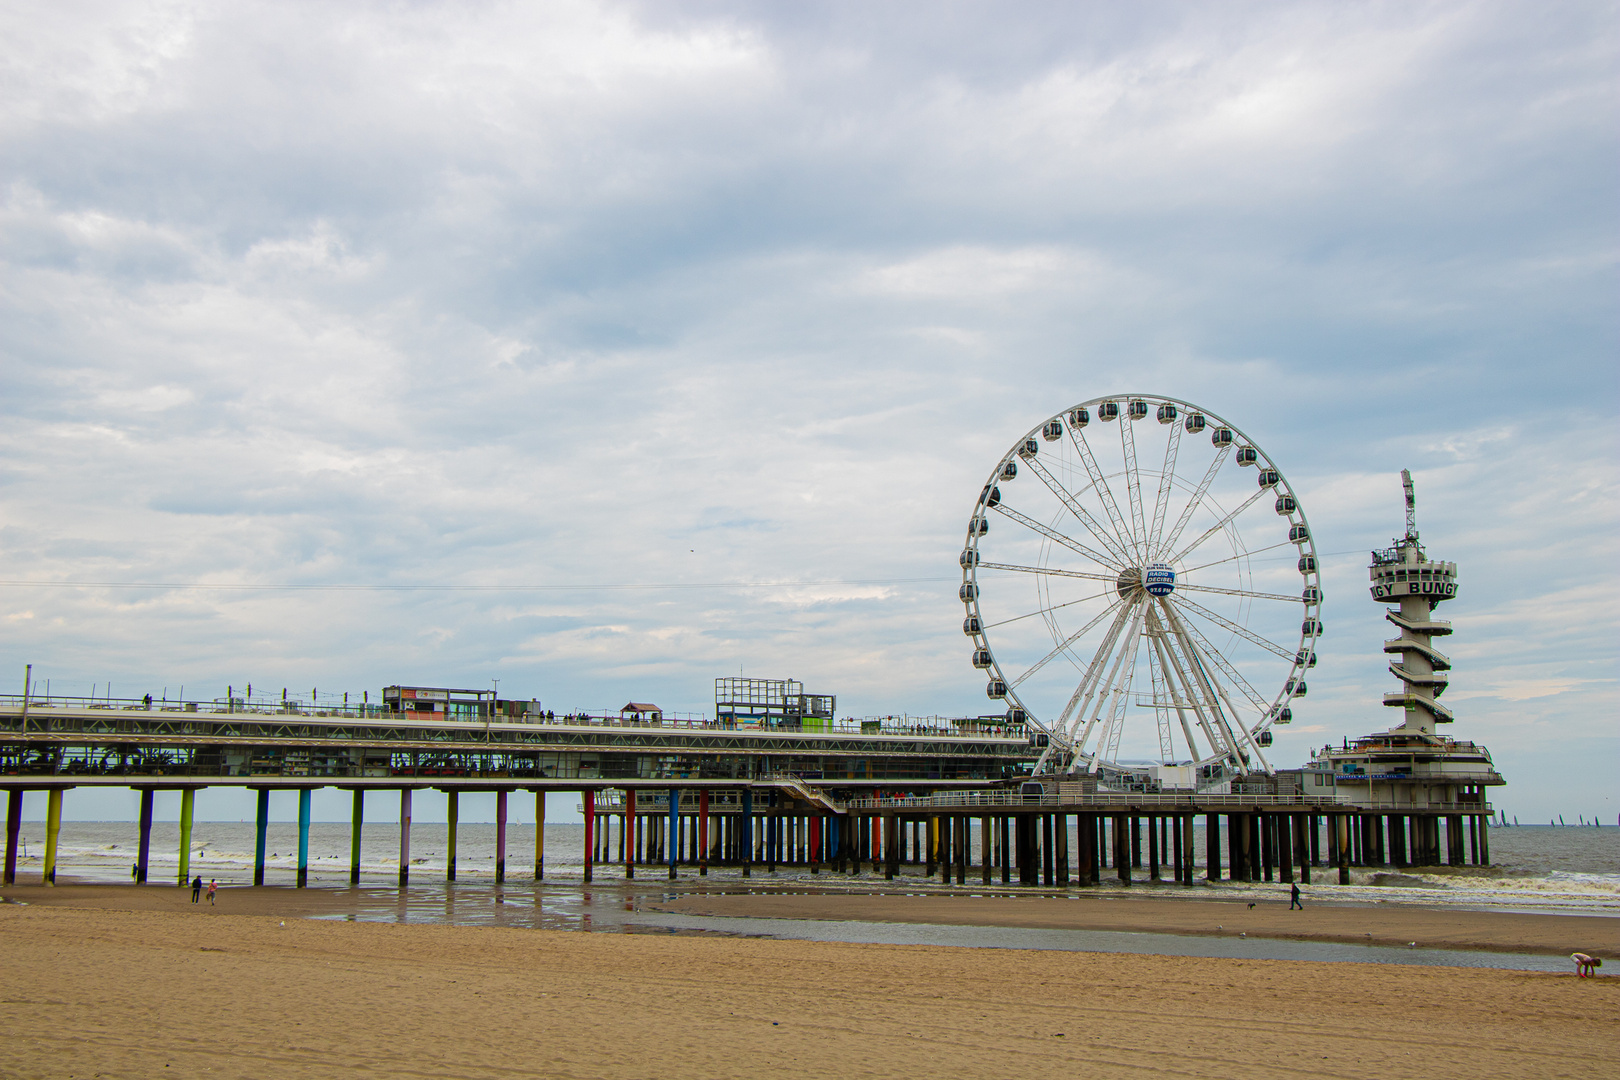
(674, 829)
(261, 826)
(746, 838)
(357, 820)
(703, 832)
(14, 809)
(539, 835)
(1062, 826)
(404, 836)
(143, 851)
(629, 833)
(53, 828)
(500, 836)
(303, 836)
(452, 819)
(188, 802)
(501, 808)
(588, 804)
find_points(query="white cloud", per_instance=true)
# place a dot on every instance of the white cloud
(591, 294)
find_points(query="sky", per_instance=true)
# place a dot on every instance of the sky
(689, 331)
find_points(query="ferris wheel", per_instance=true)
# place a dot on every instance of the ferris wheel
(1141, 587)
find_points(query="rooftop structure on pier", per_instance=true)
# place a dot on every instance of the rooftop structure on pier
(772, 703)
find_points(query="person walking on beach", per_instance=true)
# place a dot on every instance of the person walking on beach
(134, 871)
(196, 888)
(1293, 900)
(212, 889)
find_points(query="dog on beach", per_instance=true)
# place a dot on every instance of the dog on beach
(1585, 966)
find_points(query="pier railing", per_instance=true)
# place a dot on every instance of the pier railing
(42, 708)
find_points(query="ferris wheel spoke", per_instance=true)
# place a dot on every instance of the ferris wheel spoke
(1161, 502)
(1046, 571)
(1107, 537)
(1105, 692)
(1238, 555)
(1180, 700)
(1226, 716)
(1205, 704)
(1182, 586)
(1226, 668)
(1218, 526)
(1063, 645)
(1236, 628)
(1104, 492)
(1050, 608)
(1133, 487)
(1120, 701)
(1159, 697)
(1080, 701)
(1193, 503)
(1243, 732)
(1056, 537)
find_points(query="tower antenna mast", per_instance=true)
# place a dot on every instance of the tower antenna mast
(1411, 504)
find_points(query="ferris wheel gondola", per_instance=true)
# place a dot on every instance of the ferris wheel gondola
(1112, 574)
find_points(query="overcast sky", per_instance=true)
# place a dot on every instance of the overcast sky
(593, 295)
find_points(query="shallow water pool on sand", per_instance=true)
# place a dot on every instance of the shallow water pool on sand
(628, 911)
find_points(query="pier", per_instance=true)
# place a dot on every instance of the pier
(679, 797)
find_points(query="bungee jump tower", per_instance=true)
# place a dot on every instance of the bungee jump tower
(1411, 773)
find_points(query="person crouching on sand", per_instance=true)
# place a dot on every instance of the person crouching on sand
(1293, 898)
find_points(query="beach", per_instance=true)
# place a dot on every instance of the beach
(122, 981)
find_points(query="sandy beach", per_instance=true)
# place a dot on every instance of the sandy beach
(95, 986)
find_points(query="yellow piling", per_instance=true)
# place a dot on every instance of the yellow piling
(188, 798)
(53, 826)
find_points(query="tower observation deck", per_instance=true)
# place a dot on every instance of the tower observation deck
(1404, 574)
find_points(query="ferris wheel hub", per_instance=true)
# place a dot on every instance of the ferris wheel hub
(1157, 579)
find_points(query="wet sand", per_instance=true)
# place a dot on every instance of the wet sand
(1353, 924)
(198, 992)
(1360, 924)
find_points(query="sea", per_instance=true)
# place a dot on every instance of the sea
(1536, 868)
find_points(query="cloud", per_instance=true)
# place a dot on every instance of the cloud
(599, 294)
